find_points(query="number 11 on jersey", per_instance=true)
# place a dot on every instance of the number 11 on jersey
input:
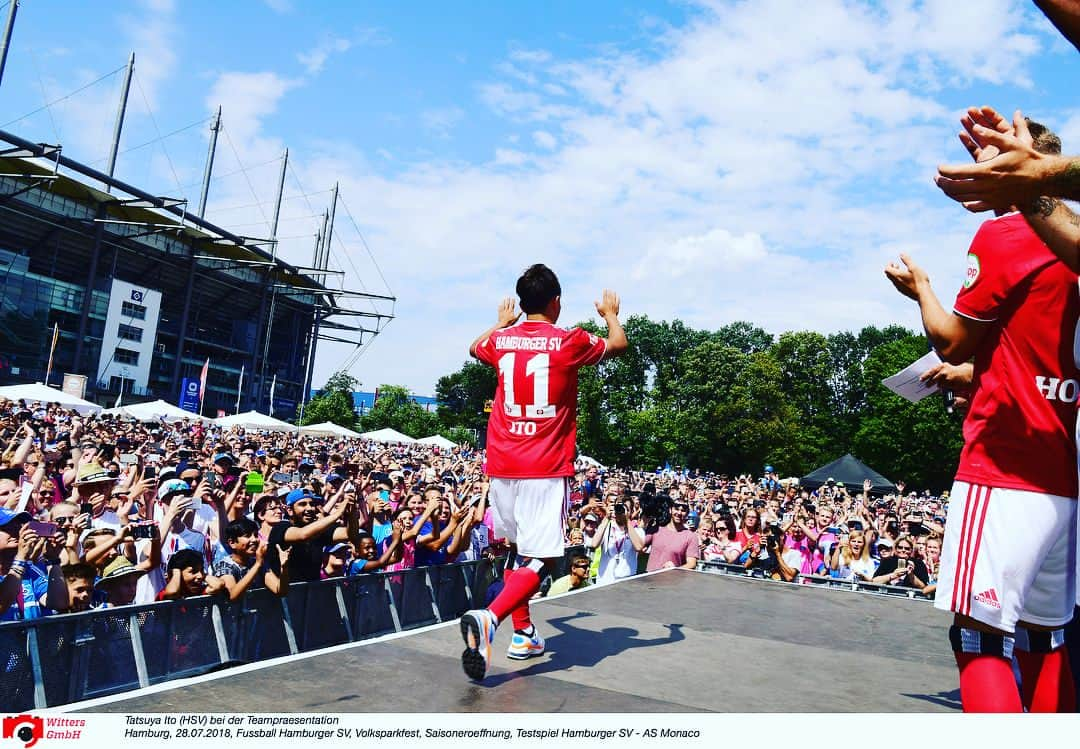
(537, 367)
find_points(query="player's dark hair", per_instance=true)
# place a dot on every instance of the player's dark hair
(536, 288)
(1044, 140)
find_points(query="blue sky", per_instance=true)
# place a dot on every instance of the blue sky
(712, 161)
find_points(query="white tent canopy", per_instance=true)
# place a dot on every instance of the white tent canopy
(387, 435)
(158, 410)
(37, 391)
(439, 441)
(254, 420)
(328, 429)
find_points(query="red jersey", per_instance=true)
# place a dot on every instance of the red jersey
(532, 432)
(1018, 433)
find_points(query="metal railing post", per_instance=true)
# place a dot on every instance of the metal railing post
(35, 667)
(137, 650)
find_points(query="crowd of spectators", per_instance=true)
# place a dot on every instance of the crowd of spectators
(99, 512)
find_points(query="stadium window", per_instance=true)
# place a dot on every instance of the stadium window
(129, 332)
(125, 356)
(132, 310)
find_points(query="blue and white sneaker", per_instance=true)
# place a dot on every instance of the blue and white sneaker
(478, 631)
(524, 646)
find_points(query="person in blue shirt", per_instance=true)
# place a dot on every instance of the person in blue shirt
(23, 583)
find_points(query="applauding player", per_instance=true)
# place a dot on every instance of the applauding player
(530, 447)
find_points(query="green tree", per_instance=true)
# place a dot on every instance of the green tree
(462, 394)
(334, 402)
(918, 443)
(744, 336)
(397, 409)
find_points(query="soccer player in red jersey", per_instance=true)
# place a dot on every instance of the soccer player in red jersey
(531, 443)
(1008, 562)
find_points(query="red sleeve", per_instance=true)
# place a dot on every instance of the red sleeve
(583, 348)
(485, 351)
(995, 268)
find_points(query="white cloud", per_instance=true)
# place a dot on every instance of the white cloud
(280, 6)
(442, 121)
(246, 99)
(544, 139)
(315, 59)
(763, 163)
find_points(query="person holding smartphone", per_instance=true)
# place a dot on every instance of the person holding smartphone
(902, 569)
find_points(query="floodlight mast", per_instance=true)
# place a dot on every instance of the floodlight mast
(13, 7)
(268, 320)
(118, 128)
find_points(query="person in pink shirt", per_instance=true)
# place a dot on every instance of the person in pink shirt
(672, 545)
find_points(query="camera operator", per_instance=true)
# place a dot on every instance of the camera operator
(767, 555)
(673, 544)
(619, 543)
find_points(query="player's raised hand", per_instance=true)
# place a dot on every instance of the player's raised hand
(909, 280)
(608, 304)
(508, 315)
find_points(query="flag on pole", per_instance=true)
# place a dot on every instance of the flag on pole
(202, 384)
(52, 349)
(120, 395)
(273, 384)
(239, 388)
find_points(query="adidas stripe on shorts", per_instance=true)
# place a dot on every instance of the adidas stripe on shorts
(531, 513)
(1008, 556)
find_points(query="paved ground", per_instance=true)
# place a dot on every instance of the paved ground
(675, 642)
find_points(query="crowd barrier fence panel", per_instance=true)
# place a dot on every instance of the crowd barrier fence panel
(67, 658)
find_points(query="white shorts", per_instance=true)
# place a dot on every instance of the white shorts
(532, 514)
(1008, 556)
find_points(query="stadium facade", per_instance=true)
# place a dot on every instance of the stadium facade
(143, 293)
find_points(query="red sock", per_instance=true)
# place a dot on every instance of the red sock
(987, 684)
(520, 615)
(1047, 681)
(515, 593)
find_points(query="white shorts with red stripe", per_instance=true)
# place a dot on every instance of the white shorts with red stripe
(1008, 556)
(532, 514)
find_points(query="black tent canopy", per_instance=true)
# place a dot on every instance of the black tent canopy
(851, 472)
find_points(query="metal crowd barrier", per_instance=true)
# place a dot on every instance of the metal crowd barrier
(67, 658)
(723, 568)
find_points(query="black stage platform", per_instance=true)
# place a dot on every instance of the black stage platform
(677, 641)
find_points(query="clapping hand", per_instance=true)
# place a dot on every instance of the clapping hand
(508, 315)
(608, 304)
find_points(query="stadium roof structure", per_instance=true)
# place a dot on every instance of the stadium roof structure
(78, 210)
(155, 214)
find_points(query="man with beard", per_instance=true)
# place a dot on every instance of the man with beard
(308, 533)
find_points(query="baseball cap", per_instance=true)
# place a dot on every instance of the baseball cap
(591, 517)
(885, 541)
(296, 495)
(334, 547)
(171, 487)
(8, 516)
(768, 469)
(225, 458)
